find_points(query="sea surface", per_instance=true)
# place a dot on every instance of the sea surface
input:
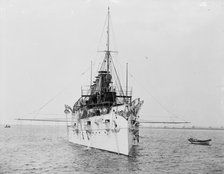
(45, 149)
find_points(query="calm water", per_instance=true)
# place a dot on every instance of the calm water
(44, 149)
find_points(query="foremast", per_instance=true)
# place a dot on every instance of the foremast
(106, 90)
(108, 41)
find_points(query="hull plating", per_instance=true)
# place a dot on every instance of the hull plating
(107, 132)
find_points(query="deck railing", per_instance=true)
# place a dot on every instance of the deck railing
(85, 91)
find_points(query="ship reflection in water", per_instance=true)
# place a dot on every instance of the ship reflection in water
(45, 149)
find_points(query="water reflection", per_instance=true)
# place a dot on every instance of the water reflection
(102, 161)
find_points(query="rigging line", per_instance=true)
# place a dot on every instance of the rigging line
(115, 80)
(84, 72)
(89, 67)
(100, 40)
(117, 77)
(103, 63)
(49, 101)
(98, 45)
(96, 61)
(113, 35)
(160, 104)
(93, 65)
(119, 68)
(101, 36)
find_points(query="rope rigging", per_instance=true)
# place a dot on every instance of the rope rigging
(37, 111)
(156, 100)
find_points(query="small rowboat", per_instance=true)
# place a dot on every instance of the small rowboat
(7, 126)
(199, 142)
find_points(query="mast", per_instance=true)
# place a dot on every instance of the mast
(126, 79)
(108, 40)
(91, 73)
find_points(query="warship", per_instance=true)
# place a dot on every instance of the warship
(105, 116)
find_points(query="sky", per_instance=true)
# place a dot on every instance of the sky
(174, 50)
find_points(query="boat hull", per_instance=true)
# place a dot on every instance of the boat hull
(108, 132)
(199, 142)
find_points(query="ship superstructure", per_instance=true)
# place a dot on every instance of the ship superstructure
(105, 116)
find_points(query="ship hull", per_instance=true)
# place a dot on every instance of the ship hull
(108, 132)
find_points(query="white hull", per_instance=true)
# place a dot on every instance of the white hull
(110, 132)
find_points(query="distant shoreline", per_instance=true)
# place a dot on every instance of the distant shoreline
(148, 127)
(184, 128)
